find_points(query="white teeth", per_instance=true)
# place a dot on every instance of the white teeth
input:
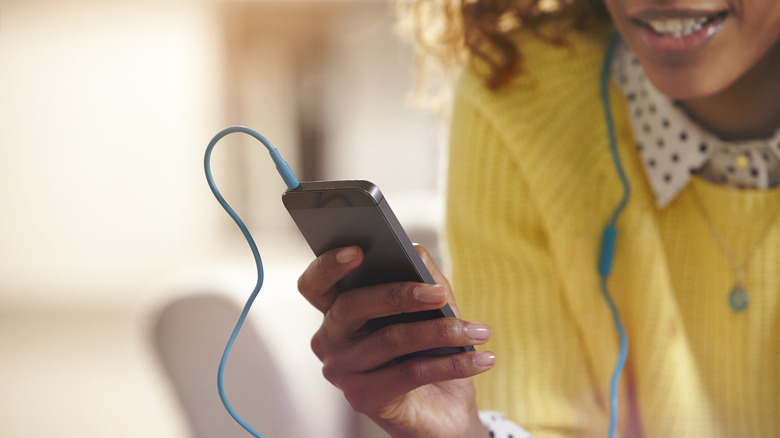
(677, 27)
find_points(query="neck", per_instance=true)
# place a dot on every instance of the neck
(749, 108)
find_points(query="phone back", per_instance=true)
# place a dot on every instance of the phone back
(343, 213)
(336, 214)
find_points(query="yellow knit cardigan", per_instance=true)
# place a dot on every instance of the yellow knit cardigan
(531, 186)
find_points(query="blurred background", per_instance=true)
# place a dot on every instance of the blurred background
(120, 275)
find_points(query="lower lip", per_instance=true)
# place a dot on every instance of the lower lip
(671, 46)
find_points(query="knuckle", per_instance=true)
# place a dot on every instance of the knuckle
(321, 266)
(442, 329)
(388, 339)
(302, 284)
(457, 365)
(319, 344)
(419, 373)
(339, 310)
(447, 330)
(332, 372)
(318, 270)
(396, 295)
(310, 275)
(414, 373)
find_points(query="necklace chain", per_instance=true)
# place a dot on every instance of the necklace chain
(738, 296)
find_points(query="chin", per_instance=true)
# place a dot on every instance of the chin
(688, 83)
(676, 89)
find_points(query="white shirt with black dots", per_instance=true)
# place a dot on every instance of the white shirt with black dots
(500, 427)
(673, 146)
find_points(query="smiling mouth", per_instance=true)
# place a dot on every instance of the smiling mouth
(680, 27)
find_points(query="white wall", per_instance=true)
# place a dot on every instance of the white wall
(105, 110)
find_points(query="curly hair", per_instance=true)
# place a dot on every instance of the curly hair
(449, 31)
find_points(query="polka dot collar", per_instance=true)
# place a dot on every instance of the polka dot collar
(673, 147)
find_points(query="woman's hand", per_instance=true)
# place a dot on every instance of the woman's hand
(426, 396)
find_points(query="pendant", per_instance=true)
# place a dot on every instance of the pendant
(738, 298)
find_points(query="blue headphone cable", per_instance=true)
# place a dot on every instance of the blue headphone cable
(292, 182)
(610, 234)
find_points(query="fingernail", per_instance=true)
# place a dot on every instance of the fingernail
(484, 359)
(346, 255)
(430, 294)
(478, 332)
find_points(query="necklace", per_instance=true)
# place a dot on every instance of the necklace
(738, 296)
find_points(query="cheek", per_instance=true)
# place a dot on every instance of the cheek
(616, 9)
(759, 26)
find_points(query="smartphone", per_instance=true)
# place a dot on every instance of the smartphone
(335, 214)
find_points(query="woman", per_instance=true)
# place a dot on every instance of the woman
(693, 95)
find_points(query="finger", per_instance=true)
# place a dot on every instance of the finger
(369, 391)
(390, 342)
(430, 263)
(318, 282)
(350, 310)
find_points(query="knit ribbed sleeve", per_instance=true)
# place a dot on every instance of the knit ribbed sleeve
(504, 276)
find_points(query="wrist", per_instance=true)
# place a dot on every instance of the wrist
(476, 428)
